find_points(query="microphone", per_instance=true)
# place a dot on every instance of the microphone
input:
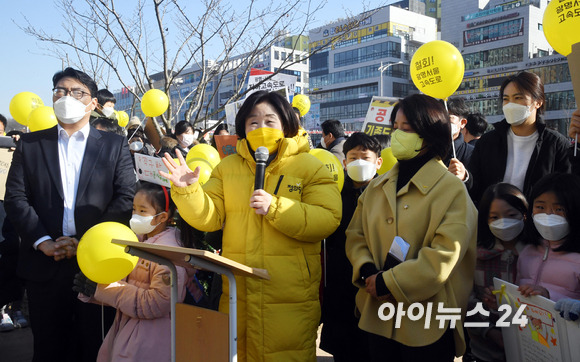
(261, 156)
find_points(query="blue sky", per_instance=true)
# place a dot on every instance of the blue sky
(26, 66)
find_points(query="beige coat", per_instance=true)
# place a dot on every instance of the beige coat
(435, 215)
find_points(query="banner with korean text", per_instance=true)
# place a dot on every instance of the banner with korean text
(377, 120)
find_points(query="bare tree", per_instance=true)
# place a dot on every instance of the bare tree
(152, 46)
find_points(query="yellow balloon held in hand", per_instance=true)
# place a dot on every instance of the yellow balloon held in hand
(205, 152)
(562, 25)
(332, 163)
(22, 105)
(437, 69)
(41, 118)
(154, 103)
(102, 261)
(302, 103)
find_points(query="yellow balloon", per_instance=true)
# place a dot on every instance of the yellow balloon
(332, 163)
(388, 160)
(204, 168)
(437, 69)
(302, 103)
(41, 118)
(561, 25)
(122, 118)
(154, 103)
(22, 105)
(102, 261)
(205, 152)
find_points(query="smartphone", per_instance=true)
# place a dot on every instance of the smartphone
(7, 142)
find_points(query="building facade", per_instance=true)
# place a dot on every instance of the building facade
(227, 78)
(345, 75)
(498, 39)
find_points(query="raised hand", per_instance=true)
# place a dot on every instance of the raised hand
(180, 175)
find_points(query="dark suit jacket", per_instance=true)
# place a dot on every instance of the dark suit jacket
(34, 196)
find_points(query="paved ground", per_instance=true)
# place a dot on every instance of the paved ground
(16, 346)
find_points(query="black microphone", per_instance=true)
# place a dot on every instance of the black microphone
(261, 156)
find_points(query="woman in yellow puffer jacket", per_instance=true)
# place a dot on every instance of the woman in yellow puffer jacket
(278, 228)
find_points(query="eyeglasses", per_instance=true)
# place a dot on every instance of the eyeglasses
(76, 93)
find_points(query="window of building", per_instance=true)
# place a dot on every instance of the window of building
(364, 54)
(276, 55)
(494, 57)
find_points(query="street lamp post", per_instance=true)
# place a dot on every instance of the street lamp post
(381, 69)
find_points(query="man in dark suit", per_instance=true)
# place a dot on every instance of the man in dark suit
(63, 181)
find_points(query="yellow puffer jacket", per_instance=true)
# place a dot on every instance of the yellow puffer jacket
(277, 318)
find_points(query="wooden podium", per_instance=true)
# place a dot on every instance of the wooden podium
(190, 319)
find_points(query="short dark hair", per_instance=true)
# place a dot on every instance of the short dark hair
(3, 120)
(181, 127)
(332, 126)
(502, 191)
(528, 83)
(221, 127)
(566, 187)
(107, 125)
(104, 96)
(364, 140)
(394, 113)
(383, 139)
(78, 75)
(290, 122)
(457, 107)
(428, 117)
(476, 124)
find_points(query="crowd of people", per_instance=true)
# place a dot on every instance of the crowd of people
(464, 203)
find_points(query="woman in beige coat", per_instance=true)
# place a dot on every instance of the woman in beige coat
(424, 206)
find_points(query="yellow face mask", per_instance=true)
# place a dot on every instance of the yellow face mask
(265, 136)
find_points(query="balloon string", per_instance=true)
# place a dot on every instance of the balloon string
(452, 143)
(576, 145)
(502, 293)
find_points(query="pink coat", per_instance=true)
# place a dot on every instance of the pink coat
(142, 327)
(557, 271)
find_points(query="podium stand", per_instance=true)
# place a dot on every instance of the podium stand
(199, 259)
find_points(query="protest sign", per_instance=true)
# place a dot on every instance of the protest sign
(148, 167)
(377, 120)
(5, 162)
(546, 337)
(226, 144)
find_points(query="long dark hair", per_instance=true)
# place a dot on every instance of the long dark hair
(502, 191)
(566, 187)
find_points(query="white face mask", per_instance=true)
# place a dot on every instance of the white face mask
(136, 146)
(141, 225)
(69, 110)
(187, 139)
(108, 111)
(515, 114)
(506, 229)
(322, 143)
(454, 129)
(361, 170)
(551, 227)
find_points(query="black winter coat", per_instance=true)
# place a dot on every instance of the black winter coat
(489, 159)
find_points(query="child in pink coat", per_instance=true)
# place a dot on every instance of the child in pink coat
(142, 327)
(550, 265)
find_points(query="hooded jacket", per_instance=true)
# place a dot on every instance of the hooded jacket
(142, 327)
(277, 318)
